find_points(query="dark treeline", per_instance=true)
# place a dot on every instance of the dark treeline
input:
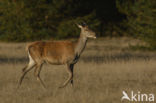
(27, 20)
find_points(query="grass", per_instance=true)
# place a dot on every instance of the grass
(105, 69)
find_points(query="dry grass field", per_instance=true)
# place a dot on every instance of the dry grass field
(105, 69)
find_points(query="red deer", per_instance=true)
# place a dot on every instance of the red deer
(56, 53)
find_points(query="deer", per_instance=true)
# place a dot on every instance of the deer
(61, 52)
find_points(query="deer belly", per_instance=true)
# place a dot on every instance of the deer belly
(58, 58)
(57, 61)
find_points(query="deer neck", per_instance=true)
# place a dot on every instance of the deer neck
(81, 44)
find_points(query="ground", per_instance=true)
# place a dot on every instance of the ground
(106, 68)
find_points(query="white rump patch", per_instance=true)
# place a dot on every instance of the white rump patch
(31, 61)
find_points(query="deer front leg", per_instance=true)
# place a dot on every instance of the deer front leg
(70, 78)
(72, 68)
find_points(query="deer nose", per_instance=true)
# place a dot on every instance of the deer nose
(94, 37)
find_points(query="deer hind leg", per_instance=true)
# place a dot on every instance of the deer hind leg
(70, 78)
(37, 74)
(26, 69)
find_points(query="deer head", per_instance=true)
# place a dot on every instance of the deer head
(86, 32)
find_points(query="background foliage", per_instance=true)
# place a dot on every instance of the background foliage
(140, 19)
(23, 20)
(28, 20)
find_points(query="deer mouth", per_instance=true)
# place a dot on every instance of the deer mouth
(94, 37)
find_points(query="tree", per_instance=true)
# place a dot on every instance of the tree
(141, 19)
(26, 20)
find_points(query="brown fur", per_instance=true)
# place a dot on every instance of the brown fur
(56, 52)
